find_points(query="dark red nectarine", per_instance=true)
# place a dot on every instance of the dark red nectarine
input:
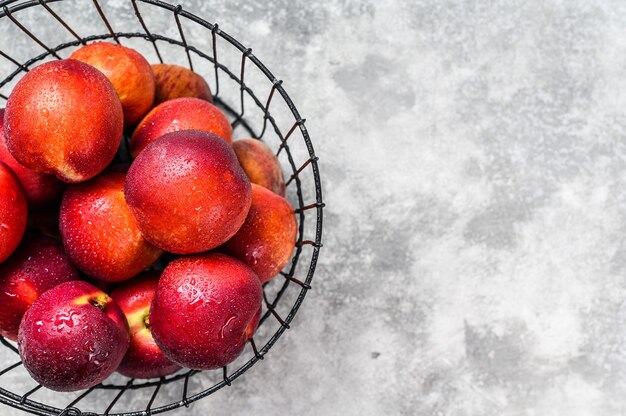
(260, 164)
(37, 265)
(188, 192)
(99, 231)
(173, 81)
(64, 118)
(13, 212)
(72, 337)
(144, 358)
(180, 114)
(205, 309)
(267, 238)
(128, 71)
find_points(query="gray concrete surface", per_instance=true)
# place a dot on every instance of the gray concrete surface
(474, 164)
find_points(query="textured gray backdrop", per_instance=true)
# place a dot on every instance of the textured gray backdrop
(474, 166)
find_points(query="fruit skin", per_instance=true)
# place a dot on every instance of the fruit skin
(144, 358)
(205, 309)
(188, 192)
(128, 71)
(13, 212)
(267, 238)
(37, 265)
(180, 114)
(72, 337)
(99, 231)
(173, 81)
(40, 189)
(76, 105)
(260, 164)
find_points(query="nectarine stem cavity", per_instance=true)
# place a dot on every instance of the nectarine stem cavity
(100, 302)
(257, 120)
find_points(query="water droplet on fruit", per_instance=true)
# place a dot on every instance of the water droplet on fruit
(5, 227)
(66, 319)
(11, 295)
(89, 346)
(191, 292)
(228, 322)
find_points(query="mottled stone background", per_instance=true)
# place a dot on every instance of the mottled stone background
(474, 167)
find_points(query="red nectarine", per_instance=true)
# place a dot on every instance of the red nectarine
(173, 81)
(205, 309)
(128, 71)
(72, 337)
(188, 192)
(99, 231)
(13, 212)
(40, 188)
(37, 265)
(267, 238)
(144, 358)
(180, 114)
(64, 118)
(260, 164)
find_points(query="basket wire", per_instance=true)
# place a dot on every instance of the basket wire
(8, 10)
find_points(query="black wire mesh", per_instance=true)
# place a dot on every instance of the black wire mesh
(306, 197)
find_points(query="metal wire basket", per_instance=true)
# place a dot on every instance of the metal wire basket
(257, 105)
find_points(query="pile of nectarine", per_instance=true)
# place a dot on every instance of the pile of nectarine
(82, 287)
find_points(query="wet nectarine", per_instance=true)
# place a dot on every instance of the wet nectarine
(64, 118)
